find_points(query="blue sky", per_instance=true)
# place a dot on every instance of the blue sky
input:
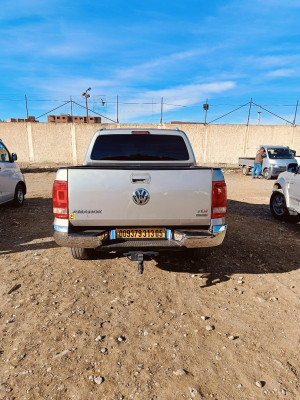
(184, 52)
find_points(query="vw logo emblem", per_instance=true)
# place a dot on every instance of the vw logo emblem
(141, 197)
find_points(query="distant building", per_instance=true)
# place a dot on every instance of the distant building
(73, 118)
(29, 119)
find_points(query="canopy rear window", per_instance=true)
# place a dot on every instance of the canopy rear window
(128, 147)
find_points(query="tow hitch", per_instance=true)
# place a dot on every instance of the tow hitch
(139, 257)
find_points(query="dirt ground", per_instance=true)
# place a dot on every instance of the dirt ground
(224, 328)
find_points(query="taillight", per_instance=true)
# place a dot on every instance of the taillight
(219, 199)
(60, 199)
(140, 132)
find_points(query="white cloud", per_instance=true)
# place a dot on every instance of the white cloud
(184, 95)
(274, 61)
(151, 67)
(281, 73)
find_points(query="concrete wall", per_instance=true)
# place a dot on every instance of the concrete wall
(60, 144)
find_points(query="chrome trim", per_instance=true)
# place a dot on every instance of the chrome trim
(58, 228)
(194, 239)
(218, 221)
(189, 238)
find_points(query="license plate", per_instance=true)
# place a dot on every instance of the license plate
(141, 233)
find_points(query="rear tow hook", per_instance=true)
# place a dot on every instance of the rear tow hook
(139, 257)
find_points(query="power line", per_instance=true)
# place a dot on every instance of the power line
(153, 103)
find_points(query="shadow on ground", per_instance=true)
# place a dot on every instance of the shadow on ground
(255, 243)
(26, 228)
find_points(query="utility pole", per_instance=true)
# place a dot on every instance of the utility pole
(26, 104)
(86, 95)
(258, 115)
(161, 110)
(206, 108)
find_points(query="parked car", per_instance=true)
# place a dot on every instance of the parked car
(12, 181)
(139, 192)
(275, 162)
(285, 198)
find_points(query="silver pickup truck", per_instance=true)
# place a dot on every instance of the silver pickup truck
(275, 162)
(285, 198)
(12, 181)
(139, 192)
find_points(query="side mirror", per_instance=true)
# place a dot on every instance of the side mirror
(292, 167)
(14, 156)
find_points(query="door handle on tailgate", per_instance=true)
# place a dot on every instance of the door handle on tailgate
(140, 178)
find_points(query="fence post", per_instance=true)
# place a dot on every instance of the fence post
(249, 111)
(294, 122)
(117, 109)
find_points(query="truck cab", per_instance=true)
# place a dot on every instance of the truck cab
(139, 192)
(276, 160)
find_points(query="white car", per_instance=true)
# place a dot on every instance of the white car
(285, 199)
(12, 181)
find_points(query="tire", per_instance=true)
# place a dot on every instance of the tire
(278, 206)
(80, 253)
(245, 170)
(19, 195)
(199, 253)
(267, 174)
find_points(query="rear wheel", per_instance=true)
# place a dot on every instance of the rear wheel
(199, 253)
(267, 173)
(19, 195)
(245, 170)
(80, 253)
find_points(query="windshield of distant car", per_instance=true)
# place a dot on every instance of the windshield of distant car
(280, 153)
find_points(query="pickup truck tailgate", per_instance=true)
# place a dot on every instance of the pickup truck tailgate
(104, 197)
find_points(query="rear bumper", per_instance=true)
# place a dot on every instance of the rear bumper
(187, 238)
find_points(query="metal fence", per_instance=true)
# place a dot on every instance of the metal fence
(119, 110)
